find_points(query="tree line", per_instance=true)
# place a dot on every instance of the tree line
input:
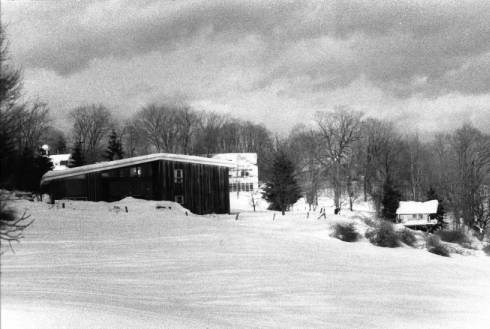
(354, 156)
(365, 158)
(167, 128)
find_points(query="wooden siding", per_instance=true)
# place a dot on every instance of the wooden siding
(204, 188)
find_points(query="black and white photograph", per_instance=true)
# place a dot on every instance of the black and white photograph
(255, 164)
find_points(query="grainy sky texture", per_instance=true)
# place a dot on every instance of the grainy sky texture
(424, 64)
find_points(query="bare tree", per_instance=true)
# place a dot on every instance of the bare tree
(472, 151)
(133, 141)
(187, 120)
(159, 125)
(11, 225)
(415, 153)
(31, 124)
(303, 152)
(91, 125)
(210, 132)
(378, 136)
(338, 131)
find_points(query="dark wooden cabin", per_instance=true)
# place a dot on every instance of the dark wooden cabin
(199, 184)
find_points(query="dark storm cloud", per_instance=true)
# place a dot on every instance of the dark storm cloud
(397, 43)
(403, 47)
(69, 45)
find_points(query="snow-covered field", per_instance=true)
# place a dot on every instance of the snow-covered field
(91, 265)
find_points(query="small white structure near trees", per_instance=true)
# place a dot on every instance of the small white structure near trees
(413, 214)
(244, 175)
(60, 161)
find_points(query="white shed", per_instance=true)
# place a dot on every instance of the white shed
(60, 161)
(412, 213)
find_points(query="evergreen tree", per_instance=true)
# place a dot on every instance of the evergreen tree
(29, 169)
(281, 189)
(77, 159)
(10, 89)
(114, 150)
(432, 195)
(42, 164)
(390, 201)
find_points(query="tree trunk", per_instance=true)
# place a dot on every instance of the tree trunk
(337, 186)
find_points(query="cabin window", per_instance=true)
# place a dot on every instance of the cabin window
(421, 216)
(135, 172)
(179, 199)
(178, 176)
(414, 216)
(64, 163)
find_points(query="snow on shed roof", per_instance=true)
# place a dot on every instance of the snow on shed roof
(60, 157)
(237, 157)
(52, 175)
(413, 207)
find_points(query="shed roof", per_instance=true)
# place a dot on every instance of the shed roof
(107, 165)
(413, 207)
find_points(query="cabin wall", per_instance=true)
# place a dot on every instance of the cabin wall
(405, 217)
(203, 189)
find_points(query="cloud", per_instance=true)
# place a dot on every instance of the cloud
(276, 61)
(392, 44)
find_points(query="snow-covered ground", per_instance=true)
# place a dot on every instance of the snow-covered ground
(92, 265)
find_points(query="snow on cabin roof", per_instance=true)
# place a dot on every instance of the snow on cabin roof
(52, 175)
(413, 207)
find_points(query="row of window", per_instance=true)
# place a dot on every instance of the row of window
(246, 187)
(240, 173)
(413, 216)
(137, 171)
(141, 171)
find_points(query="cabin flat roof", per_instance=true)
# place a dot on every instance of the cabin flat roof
(413, 207)
(107, 165)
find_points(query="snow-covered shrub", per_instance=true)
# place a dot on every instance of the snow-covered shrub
(433, 240)
(383, 235)
(454, 236)
(407, 237)
(345, 232)
(439, 250)
(434, 246)
(487, 250)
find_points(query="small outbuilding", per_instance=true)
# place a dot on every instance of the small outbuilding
(199, 184)
(60, 161)
(417, 214)
(244, 175)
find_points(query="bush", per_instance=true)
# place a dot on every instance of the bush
(439, 250)
(407, 237)
(454, 236)
(346, 232)
(383, 235)
(433, 241)
(487, 250)
(434, 246)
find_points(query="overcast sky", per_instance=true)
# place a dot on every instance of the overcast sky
(424, 64)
